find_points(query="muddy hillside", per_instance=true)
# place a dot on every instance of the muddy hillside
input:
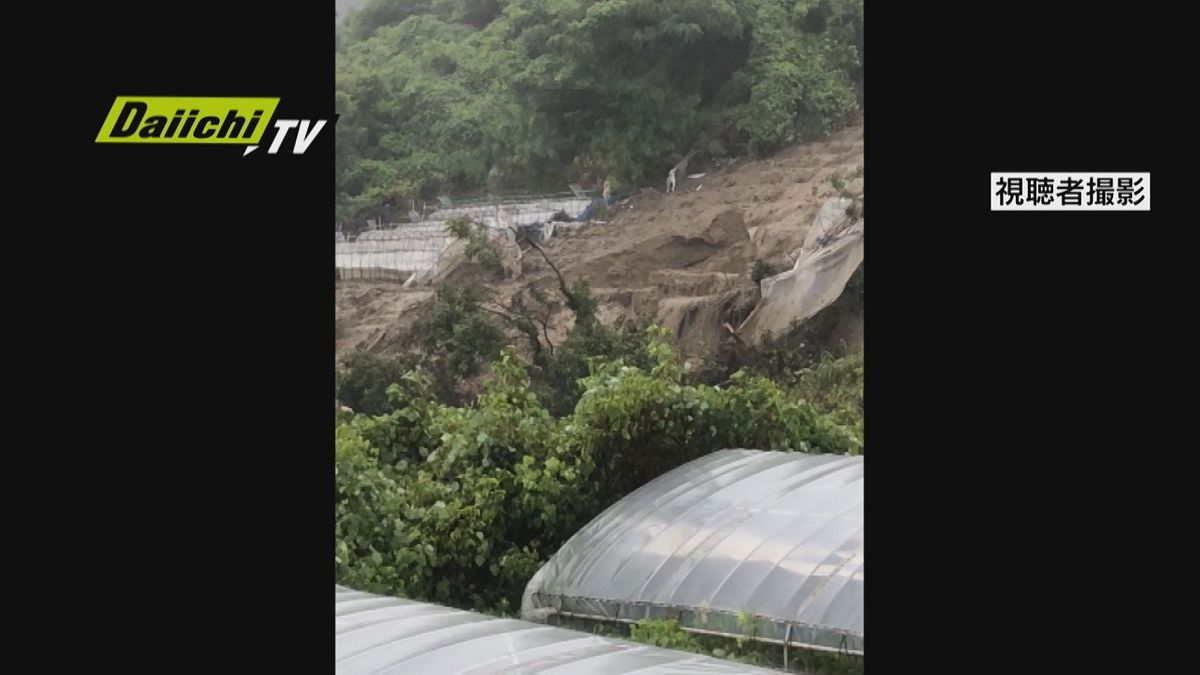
(682, 259)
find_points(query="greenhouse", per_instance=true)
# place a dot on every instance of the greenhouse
(740, 543)
(376, 634)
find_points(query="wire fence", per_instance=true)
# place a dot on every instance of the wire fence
(511, 210)
(397, 251)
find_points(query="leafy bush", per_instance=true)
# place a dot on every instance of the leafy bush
(454, 505)
(633, 424)
(831, 383)
(454, 333)
(363, 380)
(558, 377)
(461, 505)
(402, 436)
(761, 270)
(366, 532)
(835, 387)
(475, 236)
(664, 633)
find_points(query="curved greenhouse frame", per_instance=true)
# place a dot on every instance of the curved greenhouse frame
(377, 634)
(752, 543)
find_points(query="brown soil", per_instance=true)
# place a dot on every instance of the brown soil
(682, 259)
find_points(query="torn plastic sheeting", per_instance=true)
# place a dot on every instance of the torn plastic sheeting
(831, 221)
(832, 252)
(814, 284)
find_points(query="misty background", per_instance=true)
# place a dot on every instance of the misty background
(344, 6)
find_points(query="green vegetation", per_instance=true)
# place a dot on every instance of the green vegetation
(454, 335)
(459, 500)
(460, 505)
(761, 270)
(802, 357)
(668, 633)
(474, 236)
(363, 379)
(433, 94)
(835, 387)
(664, 633)
(457, 335)
(462, 465)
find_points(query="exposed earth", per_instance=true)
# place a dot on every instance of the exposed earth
(683, 259)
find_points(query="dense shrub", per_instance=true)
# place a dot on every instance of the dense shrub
(835, 387)
(363, 380)
(761, 270)
(454, 334)
(461, 505)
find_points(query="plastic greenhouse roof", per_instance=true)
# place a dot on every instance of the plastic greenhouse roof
(738, 542)
(376, 634)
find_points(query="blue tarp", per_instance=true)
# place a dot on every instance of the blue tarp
(586, 214)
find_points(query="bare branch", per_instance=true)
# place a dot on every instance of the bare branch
(562, 283)
(530, 330)
(733, 332)
(546, 332)
(504, 314)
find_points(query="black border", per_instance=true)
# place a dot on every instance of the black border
(197, 340)
(1024, 489)
(1019, 362)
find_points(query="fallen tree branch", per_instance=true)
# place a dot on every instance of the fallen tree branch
(530, 330)
(734, 333)
(562, 282)
(546, 332)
